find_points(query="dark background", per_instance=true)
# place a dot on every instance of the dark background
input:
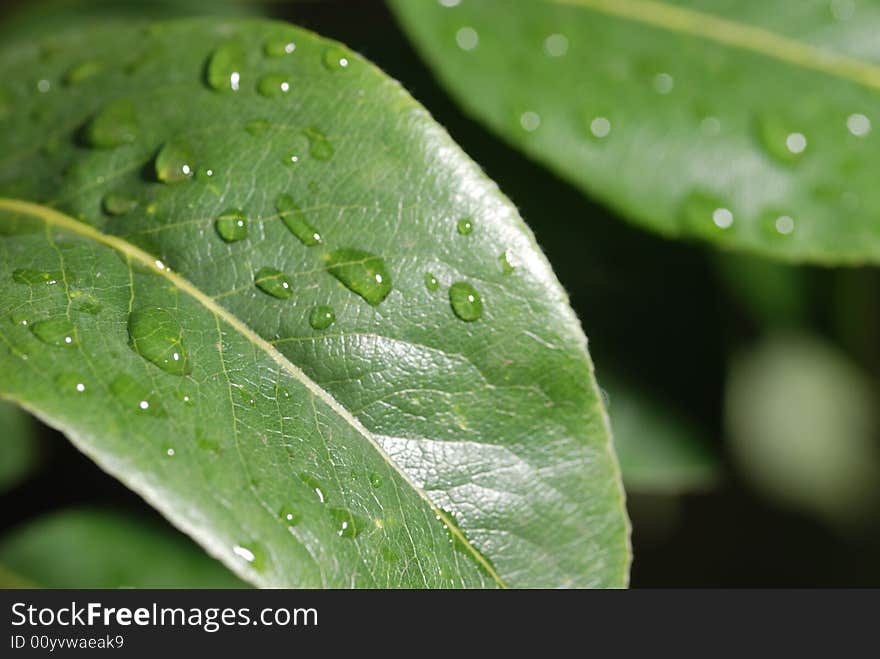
(652, 308)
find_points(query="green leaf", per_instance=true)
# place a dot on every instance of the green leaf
(487, 438)
(660, 452)
(18, 446)
(748, 124)
(92, 548)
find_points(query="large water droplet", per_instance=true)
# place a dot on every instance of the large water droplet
(465, 301)
(336, 59)
(83, 71)
(316, 486)
(779, 139)
(705, 214)
(361, 272)
(279, 47)
(295, 220)
(175, 162)
(118, 203)
(274, 282)
(33, 277)
(55, 332)
(274, 84)
(431, 282)
(232, 225)
(349, 525)
(157, 336)
(225, 66)
(465, 226)
(322, 317)
(114, 125)
(319, 146)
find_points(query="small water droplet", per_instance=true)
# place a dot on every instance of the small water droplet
(157, 336)
(507, 265)
(465, 226)
(279, 47)
(431, 282)
(83, 71)
(274, 84)
(705, 214)
(465, 301)
(174, 162)
(232, 225)
(663, 83)
(245, 395)
(361, 272)
(56, 332)
(34, 277)
(322, 317)
(118, 203)
(205, 174)
(779, 140)
(710, 126)
(349, 525)
(319, 146)
(600, 127)
(777, 224)
(169, 451)
(257, 127)
(556, 45)
(224, 68)
(274, 282)
(316, 486)
(71, 383)
(375, 480)
(467, 38)
(530, 121)
(858, 124)
(289, 516)
(250, 553)
(114, 125)
(295, 220)
(43, 86)
(136, 395)
(336, 59)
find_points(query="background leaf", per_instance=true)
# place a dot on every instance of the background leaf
(19, 451)
(489, 407)
(93, 548)
(748, 124)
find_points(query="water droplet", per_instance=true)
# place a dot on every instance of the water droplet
(361, 272)
(663, 83)
(274, 84)
(449, 3)
(289, 516)
(118, 203)
(114, 125)
(174, 162)
(251, 554)
(776, 224)
(336, 59)
(136, 395)
(431, 282)
(530, 121)
(257, 127)
(205, 174)
(232, 225)
(225, 66)
(278, 47)
(349, 525)
(82, 71)
(779, 140)
(600, 127)
(35, 277)
(319, 146)
(556, 45)
(19, 319)
(295, 220)
(465, 226)
(56, 332)
(71, 383)
(169, 451)
(322, 317)
(705, 214)
(858, 124)
(274, 282)
(465, 301)
(506, 265)
(43, 86)
(316, 486)
(467, 38)
(245, 395)
(375, 480)
(157, 336)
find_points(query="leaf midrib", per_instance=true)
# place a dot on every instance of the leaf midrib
(737, 35)
(131, 252)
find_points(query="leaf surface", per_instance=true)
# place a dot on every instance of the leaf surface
(749, 124)
(325, 238)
